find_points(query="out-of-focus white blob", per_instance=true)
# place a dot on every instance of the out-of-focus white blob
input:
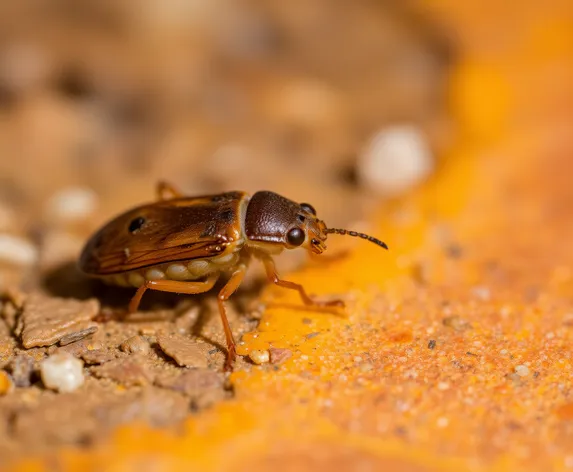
(397, 159)
(72, 204)
(17, 251)
(62, 372)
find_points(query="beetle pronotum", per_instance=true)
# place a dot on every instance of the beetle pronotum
(183, 244)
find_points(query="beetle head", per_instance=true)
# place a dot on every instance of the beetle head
(273, 220)
(277, 223)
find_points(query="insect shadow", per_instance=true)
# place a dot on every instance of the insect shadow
(66, 281)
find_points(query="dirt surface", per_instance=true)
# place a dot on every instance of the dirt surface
(100, 100)
(454, 351)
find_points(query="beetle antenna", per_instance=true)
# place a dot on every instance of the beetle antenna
(372, 239)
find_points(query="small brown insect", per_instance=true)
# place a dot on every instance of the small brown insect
(183, 244)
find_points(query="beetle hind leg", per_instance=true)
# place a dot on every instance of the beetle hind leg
(173, 286)
(228, 290)
(307, 300)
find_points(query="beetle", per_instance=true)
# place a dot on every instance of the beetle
(183, 244)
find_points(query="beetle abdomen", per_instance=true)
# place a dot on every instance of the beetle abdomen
(183, 271)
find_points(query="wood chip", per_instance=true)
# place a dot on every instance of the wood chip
(46, 320)
(183, 350)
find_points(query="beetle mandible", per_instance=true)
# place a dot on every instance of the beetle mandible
(183, 244)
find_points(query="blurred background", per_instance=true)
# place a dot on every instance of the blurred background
(337, 103)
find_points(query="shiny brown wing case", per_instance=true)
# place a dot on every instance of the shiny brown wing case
(172, 230)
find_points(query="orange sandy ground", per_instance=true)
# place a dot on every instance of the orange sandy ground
(481, 262)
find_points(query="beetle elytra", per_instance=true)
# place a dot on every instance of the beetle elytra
(183, 244)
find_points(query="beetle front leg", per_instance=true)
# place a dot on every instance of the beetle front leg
(173, 286)
(166, 191)
(228, 290)
(307, 300)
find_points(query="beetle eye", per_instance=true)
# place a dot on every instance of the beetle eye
(136, 224)
(295, 237)
(308, 207)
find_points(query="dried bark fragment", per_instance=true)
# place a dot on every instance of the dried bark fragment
(7, 344)
(79, 347)
(128, 372)
(183, 350)
(46, 320)
(97, 356)
(74, 337)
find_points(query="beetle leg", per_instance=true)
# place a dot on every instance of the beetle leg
(307, 300)
(228, 290)
(166, 191)
(174, 286)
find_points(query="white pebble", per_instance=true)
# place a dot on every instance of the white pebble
(260, 357)
(16, 250)
(62, 372)
(522, 370)
(443, 386)
(397, 158)
(71, 204)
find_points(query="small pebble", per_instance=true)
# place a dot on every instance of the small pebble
(62, 372)
(17, 251)
(135, 345)
(443, 386)
(260, 357)
(522, 370)
(6, 384)
(432, 344)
